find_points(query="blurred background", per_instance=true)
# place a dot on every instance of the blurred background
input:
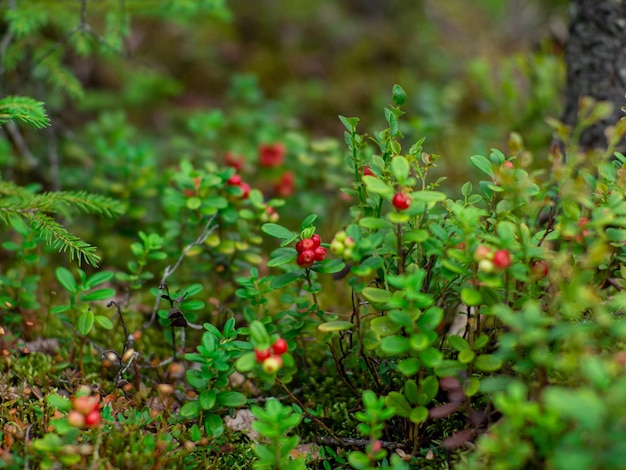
(135, 87)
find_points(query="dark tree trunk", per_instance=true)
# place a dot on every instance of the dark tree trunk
(596, 62)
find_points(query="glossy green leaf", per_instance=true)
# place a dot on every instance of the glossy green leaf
(471, 296)
(85, 321)
(378, 297)
(458, 343)
(104, 322)
(375, 185)
(66, 279)
(397, 401)
(190, 409)
(335, 325)
(277, 231)
(400, 168)
(487, 363)
(99, 294)
(384, 326)
(394, 345)
(207, 399)
(419, 414)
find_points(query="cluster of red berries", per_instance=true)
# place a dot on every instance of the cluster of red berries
(270, 359)
(488, 260)
(235, 180)
(310, 250)
(86, 412)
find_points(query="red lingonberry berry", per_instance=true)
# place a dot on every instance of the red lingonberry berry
(93, 419)
(306, 258)
(271, 155)
(320, 253)
(502, 259)
(308, 244)
(245, 190)
(401, 201)
(286, 184)
(316, 239)
(280, 346)
(508, 164)
(367, 171)
(299, 247)
(262, 354)
(234, 180)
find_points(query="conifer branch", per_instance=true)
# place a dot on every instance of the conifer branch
(24, 110)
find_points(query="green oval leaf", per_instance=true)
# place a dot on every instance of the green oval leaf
(373, 223)
(66, 279)
(400, 168)
(487, 363)
(427, 196)
(419, 414)
(85, 322)
(231, 399)
(458, 343)
(207, 399)
(335, 325)
(394, 345)
(99, 278)
(277, 231)
(376, 186)
(397, 401)
(190, 409)
(99, 294)
(378, 297)
(471, 296)
(104, 322)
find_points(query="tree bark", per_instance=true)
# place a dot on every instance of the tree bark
(595, 57)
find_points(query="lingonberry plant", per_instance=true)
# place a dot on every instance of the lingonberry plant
(422, 327)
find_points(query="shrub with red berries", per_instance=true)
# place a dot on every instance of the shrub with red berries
(235, 180)
(270, 358)
(310, 250)
(86, 412)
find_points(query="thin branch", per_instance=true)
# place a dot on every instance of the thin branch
(169, 270)
(20, 143)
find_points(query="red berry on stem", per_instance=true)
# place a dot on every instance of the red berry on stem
(320, 253)
(306, 258)
(245, 190)
(508, 164)
(367, 171)
(502, 259)
(308, 244)
(280, 346)
(316, 239)
(234, 180)
(93, 419)
(299, 247)
(262, 354)
(271, 155)
(401, 201)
